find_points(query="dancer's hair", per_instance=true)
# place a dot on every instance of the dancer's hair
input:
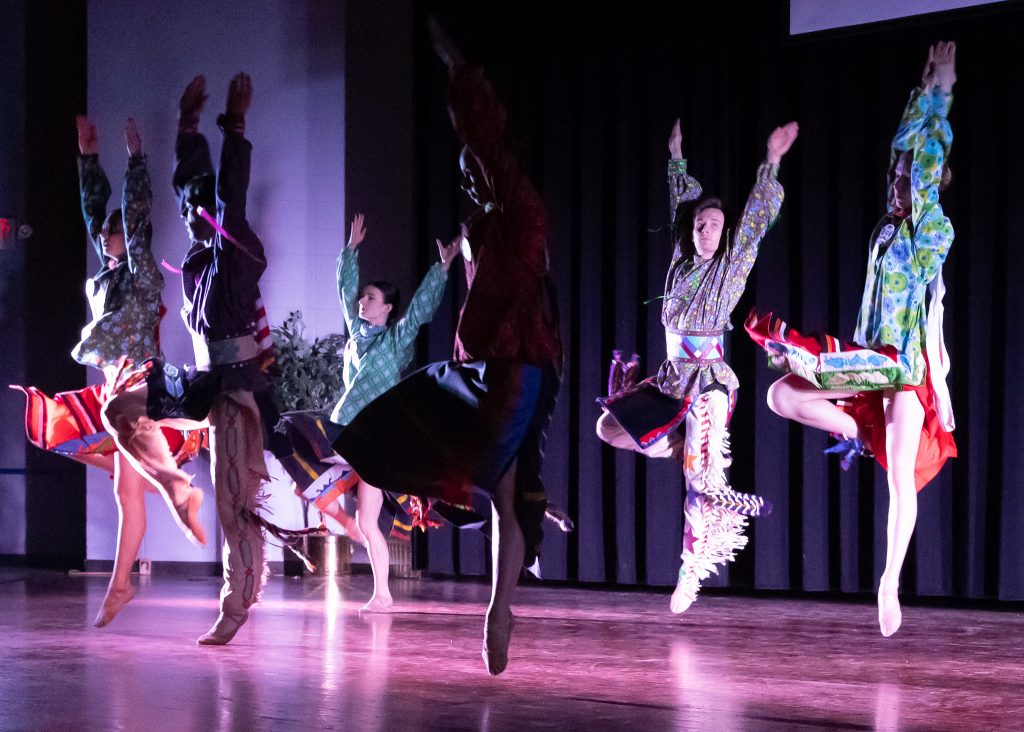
(392, 297)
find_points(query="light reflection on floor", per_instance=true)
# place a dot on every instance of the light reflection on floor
(604, 660)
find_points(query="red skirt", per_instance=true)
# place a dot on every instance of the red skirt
(936, 446)
(69, 424)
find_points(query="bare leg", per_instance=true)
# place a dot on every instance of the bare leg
(507, 552)
(349, 525)
(129, 492)
(367, 515)
(797, 399)
(904, 417)
(130, 530)
(141, 442)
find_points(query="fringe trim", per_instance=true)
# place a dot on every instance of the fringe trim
(722, 538)
(291, 539)
(716, 487)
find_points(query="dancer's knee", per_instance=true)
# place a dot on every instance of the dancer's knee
(781, 397)
(607, 427)
(367, 524)
(120, 414)
(504, 497)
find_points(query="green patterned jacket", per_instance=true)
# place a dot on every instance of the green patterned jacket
(376, 355)
(908, 253)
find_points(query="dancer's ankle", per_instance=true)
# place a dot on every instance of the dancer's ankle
(378, 603)
(888, 586)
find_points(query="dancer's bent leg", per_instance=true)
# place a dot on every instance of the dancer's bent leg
(904, 418)
(609, 430)
(798, 399)
(140, 440)
(367, 515)
(236, 449)
(507, 551)
(349, 525)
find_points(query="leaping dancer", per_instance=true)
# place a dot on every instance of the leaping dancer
(683, 412)
(891, 381)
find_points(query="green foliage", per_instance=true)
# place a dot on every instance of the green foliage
(307, 376)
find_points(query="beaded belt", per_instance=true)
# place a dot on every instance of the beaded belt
(695, 346)
(225, 352)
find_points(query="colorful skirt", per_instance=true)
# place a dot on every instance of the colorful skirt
(648, 415)
(832, 365)
(302, 443)
(69, 424)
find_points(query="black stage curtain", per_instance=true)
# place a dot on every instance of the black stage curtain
(592, 96)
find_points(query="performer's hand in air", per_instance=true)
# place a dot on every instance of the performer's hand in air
(132, 139)
(449, 252)
(940, 68)
(239, 94)
(779, 142)
(358, 232)
(444, 46)
(193, 99)
(675, 142)
(88, 141)
(943, 56)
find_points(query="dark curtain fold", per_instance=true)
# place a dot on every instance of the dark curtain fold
(591, 97)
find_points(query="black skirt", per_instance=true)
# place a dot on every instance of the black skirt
(444, 431)
(452, 429)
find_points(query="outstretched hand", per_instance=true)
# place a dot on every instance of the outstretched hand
(88, 142)
(781, 139)
(193, 99)
(358, 232)
(449, 252)
(132, 139)
(444, 47)
(940, 67)
(239, 94)
(943, 55)
(675, 141)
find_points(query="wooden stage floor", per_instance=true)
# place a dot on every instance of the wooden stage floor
(581, 659)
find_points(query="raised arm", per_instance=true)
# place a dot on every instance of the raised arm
(682, 186)
(93, 183)
(192, 152)
(136, 204)
(763, 204)
(936, 136)
(348, 273)
(480, 120)
(934, 233)
(427, 297)
(937, 81)
(243, 252)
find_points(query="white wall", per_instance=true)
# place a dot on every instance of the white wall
(808, 16)
(141, 56)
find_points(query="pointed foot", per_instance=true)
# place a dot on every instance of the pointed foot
(497, 634)
(686, 591)
(188, 517)
(378, 604)
(113, 602)
(890, 615)
(223, 630)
